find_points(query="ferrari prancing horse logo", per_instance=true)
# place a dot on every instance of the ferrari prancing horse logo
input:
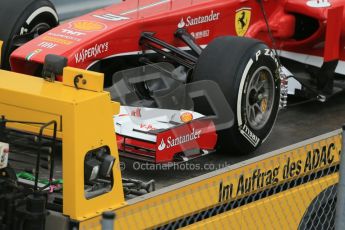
(242, 20)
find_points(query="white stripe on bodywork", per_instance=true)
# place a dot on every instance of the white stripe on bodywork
(311, 60)
(145, 7)
(239, 97)
(340, 68)
(302, 58)
(127, 124)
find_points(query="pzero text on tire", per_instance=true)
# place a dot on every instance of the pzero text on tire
(19, 17)
(247, 73)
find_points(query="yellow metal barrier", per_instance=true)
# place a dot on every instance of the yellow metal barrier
(226, 191)
(85, 121)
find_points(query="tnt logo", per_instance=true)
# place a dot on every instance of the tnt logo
(71, 32)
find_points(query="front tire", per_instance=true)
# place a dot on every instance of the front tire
(247, 72)
(18, 17)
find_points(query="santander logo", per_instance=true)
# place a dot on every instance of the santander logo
(190, 21)
(162, 145)
(171, 142)
(181, 24)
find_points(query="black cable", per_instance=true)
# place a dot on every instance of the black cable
(274, 44)
(301, 103)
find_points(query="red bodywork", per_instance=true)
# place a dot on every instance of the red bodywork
(195, 136)
(115, 31)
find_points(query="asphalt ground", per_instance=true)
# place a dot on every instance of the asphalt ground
(301, 120)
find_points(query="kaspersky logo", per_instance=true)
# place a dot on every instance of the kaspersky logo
(171, 142)
(190, 21)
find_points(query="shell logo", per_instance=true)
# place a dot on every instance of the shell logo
(87, 26)
(186, 117)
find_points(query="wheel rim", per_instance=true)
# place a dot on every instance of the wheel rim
(260, 98)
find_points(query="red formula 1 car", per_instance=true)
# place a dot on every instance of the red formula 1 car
(162, 55)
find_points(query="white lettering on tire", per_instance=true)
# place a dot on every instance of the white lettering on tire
(249, 135)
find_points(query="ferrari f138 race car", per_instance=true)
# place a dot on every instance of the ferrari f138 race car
(191, 75)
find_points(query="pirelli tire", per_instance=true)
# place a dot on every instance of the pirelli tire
(18, 17)
(247, 73)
